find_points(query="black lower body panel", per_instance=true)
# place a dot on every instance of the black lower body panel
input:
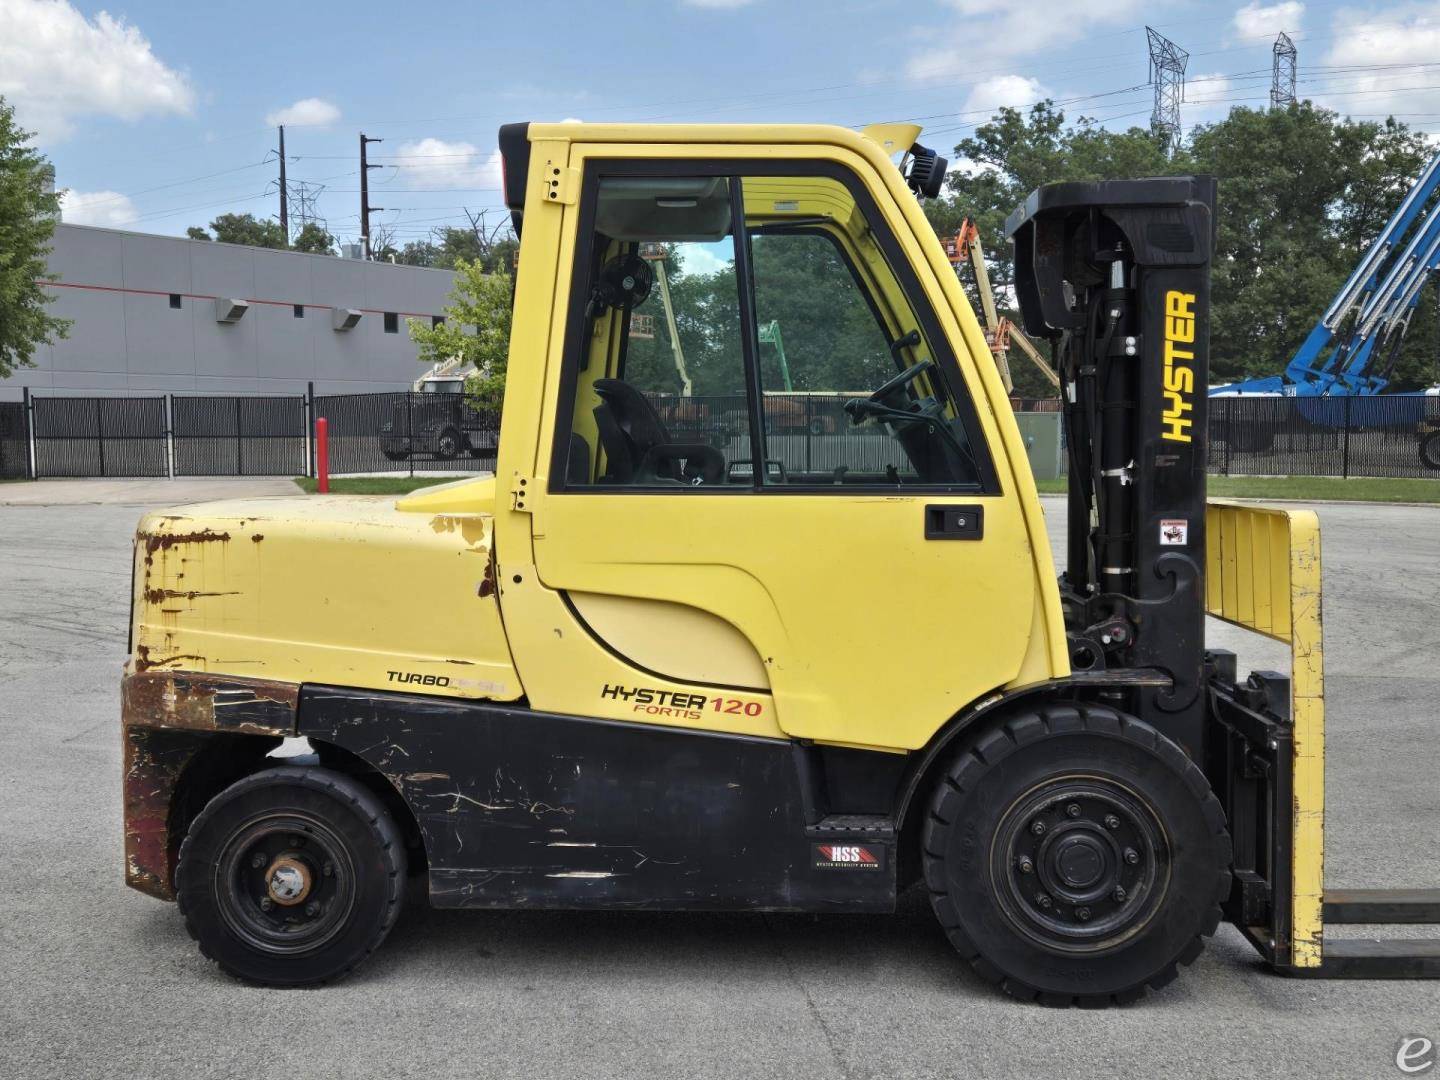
(519, 808)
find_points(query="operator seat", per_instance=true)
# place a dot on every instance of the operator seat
(638, 447)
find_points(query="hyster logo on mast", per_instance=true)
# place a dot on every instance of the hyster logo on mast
(1179, 366)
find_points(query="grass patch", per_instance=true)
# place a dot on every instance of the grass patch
(1307, 488)
(375, 485)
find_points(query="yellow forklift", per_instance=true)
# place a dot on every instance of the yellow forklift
(636, 672)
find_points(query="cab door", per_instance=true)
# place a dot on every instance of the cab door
(763, 486)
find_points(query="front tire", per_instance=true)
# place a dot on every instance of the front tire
(447, 445)
(1075, 855)
(291, 876)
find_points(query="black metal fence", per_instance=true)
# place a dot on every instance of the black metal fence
(100, 436)
(239, 436)
(14, 440)
(1392, 435)
(408, 432)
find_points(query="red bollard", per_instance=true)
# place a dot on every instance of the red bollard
(322, 455)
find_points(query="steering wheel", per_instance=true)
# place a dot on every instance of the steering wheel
(903, 379)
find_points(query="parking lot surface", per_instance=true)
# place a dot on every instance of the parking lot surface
(100, 981)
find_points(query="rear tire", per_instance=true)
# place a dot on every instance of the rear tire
(1076, 856)
(1430, 450)
(291, 876)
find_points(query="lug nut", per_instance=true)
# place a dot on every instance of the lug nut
(1037, 827)
(1082, 913)
(1112, 822)
(1132, 856)
(312, 907)
(1073, 810)
(1043, 900)
(1119, 894)
(266, 903)
(328, 869)
(1025, 865)
(296, 841)
(257, 860)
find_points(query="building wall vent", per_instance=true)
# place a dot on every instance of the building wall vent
(343, 318)
(228, 310)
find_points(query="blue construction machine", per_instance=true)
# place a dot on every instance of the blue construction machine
(1342, 370)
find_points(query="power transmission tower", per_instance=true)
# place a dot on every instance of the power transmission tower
(1282, 72)
(1167, 75)
(365, 208)
(302, 196)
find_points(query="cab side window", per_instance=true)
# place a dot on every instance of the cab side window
(752, 332)
(836, 328)
(661, 394)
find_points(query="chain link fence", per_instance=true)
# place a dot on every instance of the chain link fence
(408, 432)
(14, 440)
(239, 436)
(1388, 436)
(100, 436)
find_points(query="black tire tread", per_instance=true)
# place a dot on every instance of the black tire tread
(1031, 727)
(344, 790)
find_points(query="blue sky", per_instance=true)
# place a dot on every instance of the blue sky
(160, 115)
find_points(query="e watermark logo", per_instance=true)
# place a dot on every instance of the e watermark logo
(1415, 1054)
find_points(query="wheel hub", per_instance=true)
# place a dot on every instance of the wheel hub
(284, 883)
(1078, 861)
(1081, 862)
(288, 881)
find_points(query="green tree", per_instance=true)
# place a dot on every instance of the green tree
(476, 330)
(418, 253)
(27, 222)
(313, 239)
(241, 229)
(1302, 194)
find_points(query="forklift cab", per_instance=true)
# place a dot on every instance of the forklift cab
(692, 508)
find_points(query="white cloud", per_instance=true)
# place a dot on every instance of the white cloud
(1014, 91)
(1396, 35)
(700, 259)
(96, 208)
(1256, 20)
(56, 66)
(307, 112)
(436, 163)
(1006, 29)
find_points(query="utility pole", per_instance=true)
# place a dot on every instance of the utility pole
(1167, 75)
(365, 208)
(1282, 72)
(284, 191)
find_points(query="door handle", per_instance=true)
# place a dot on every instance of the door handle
(954, 522)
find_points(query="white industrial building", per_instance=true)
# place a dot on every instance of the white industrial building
(155, 314)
